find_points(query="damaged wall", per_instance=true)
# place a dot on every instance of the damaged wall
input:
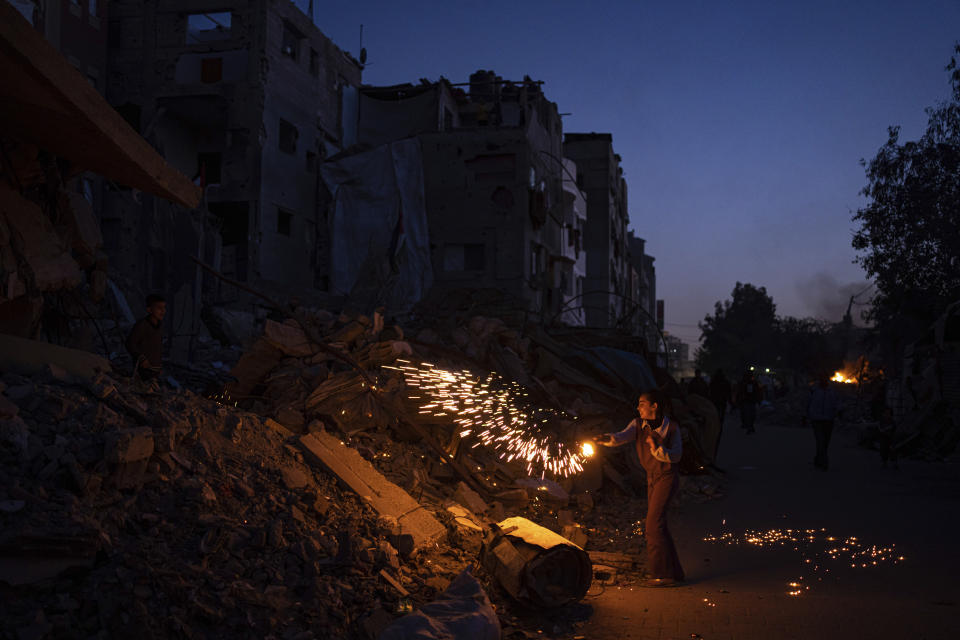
(601, 178)
(246, 98)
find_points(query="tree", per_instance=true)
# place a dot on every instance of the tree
(808, 345)
(741, 331)
(910, 230)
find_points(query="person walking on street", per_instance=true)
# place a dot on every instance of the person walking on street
(659, 447)
(145, 342)
(720, 394)
(822, 411)
(748, 397)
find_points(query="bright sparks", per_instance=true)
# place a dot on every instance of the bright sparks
(494, 411)
(587, 450)
(819, 551)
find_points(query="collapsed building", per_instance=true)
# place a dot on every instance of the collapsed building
(248, 100)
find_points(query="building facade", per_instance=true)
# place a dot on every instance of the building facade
(643, 291)
(247, 97)
(607, 297)
(493, 181)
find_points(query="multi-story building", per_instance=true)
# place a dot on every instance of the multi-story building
(571, 264)
(248, 97)
(75, 28)
(643, 290)
(608, 280)
(493, 173)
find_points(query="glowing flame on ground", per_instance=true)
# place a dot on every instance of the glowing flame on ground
(496, 412)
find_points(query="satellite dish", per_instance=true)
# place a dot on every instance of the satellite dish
(363, 55)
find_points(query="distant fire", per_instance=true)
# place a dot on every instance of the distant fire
(854, 372)
(840, 377)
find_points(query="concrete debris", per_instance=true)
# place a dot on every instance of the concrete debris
(30, 357)
(309, 478)
(385, 497)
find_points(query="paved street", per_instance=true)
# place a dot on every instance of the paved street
(739, 591)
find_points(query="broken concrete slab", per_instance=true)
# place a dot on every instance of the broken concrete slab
(288, 338)
(129, 445)
(464, 518)
(385, 497)
(31, 357)
(574, 534)
(470, 499)
(253, 365)
(279, 428)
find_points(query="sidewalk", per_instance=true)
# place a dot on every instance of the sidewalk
(740, 591)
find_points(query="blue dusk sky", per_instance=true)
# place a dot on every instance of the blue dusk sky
(741, 124)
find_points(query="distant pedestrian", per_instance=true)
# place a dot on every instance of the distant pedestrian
(720, 394)
(748, 396)
(659, 447)
(698, 385)
(822, 410)
(145, 342)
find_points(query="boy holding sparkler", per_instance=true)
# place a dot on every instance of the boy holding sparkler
(659, 447)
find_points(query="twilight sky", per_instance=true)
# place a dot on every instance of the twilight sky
(740, 123)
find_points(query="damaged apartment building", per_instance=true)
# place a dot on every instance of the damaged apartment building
(247, 98)
(620, 286)
(502, 205)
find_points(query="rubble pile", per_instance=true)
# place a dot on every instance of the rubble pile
(201, 522)
(311, 497)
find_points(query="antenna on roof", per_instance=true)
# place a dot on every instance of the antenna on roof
(363, 52)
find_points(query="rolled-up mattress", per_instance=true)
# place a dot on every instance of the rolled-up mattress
(536, 566)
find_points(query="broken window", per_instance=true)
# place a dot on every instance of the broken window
(536, 261)
(208, 27)
(290, 45)
(288, 137)
(284, 222)
(314, 62)
(211, 70)
(464, 257)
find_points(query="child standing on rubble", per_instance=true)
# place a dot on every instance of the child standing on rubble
(145, 342)
(659, 446)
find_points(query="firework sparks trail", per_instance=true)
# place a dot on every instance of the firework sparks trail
(818, 551)
(494, 411)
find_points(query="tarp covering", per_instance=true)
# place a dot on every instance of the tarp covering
(380, 247)
(462, 612)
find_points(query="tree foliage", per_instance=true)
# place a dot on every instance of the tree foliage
(745, 330)
(909, 231)
(740, 332)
